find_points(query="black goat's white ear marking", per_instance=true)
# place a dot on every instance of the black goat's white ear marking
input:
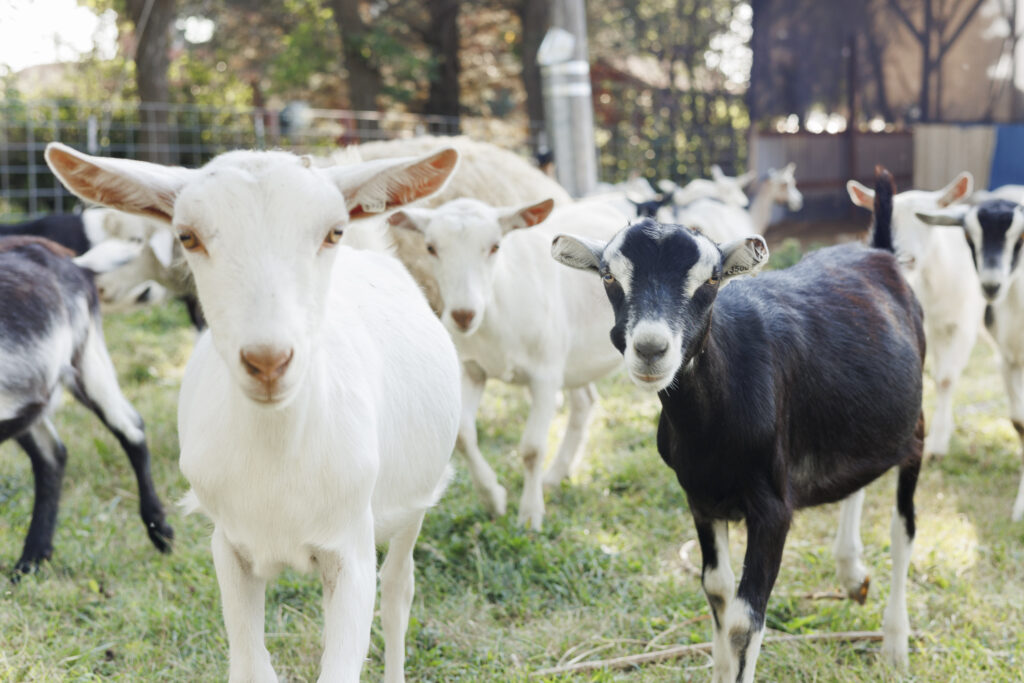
(952, 216)
(577, 252)
(743, 256)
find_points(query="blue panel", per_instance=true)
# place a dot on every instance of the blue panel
(1008, 158)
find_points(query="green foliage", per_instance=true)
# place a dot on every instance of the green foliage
(665, 104)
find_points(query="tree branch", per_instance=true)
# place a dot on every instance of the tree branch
(902, 14)
(944, 46)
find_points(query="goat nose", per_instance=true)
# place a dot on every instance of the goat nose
(650, 349)
(463, 318)
(266, 363)
(990, 289)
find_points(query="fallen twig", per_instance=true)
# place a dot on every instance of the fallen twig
(628, 661)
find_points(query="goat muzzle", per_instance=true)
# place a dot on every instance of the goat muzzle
(266, 364)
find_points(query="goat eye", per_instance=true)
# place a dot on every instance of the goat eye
(713, 280)
(608, 278)
(190, 241)
(334, 236)
(494, 249)
(431, 250)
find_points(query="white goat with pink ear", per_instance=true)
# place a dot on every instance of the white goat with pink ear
(318, 414)
(938, 265)
(518, 316)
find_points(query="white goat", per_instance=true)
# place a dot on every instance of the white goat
(486, 172)
(726, 189)
(1013, 193)
(157, 273)
(938, 265)
(516, 315)
(725, 222)
(318, 414)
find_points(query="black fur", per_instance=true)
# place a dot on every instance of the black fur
(63, 228)
(649, 208)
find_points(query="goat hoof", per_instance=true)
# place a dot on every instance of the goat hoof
(553, 479)
(161, 534)
(496, 500)
(860, 594)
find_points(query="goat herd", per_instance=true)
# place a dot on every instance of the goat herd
(318, 413)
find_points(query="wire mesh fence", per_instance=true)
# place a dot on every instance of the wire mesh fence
(190, 135)
(636, 132)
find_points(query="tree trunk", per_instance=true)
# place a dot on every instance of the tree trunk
(153, 20)
(363, 75)
(443, 39)
(535, 17)
(877, 61)
(759, 40)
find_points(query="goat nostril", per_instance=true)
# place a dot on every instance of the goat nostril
(266, 364)
(463, 318)
(651, 349)
(990, 290)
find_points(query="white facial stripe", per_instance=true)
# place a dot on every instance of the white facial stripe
(704, 268)
(621, 269)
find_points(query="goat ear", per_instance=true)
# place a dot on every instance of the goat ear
(861, 195)
(951, 216)
(137, 187)
(525, 217)
(743, 256)
(746, 178)
(408, 219)
(161, 243)
(372, 187)
(109, 254)
(958, 189)
(716, 172)
(667, 186)
(577, 252)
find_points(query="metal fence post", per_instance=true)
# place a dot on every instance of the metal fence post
(565, 73)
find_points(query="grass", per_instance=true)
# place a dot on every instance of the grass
(494, 602)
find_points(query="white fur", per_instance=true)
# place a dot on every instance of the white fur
(726, 189)
(724, 222)
(533, 323)
(895, 622)
(349, 447)
(939, 269)
(848, 547)
(486, 172)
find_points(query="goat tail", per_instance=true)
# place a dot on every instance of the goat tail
(885, 188)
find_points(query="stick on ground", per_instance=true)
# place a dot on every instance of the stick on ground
(629, 661)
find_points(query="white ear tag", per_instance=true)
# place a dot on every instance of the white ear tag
(373, 205)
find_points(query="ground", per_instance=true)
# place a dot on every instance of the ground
(494, 602)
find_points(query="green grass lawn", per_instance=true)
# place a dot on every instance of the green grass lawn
(493, 602)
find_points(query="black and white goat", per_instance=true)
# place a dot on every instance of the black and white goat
(795, 389)
(51, 335)
(994, 231)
